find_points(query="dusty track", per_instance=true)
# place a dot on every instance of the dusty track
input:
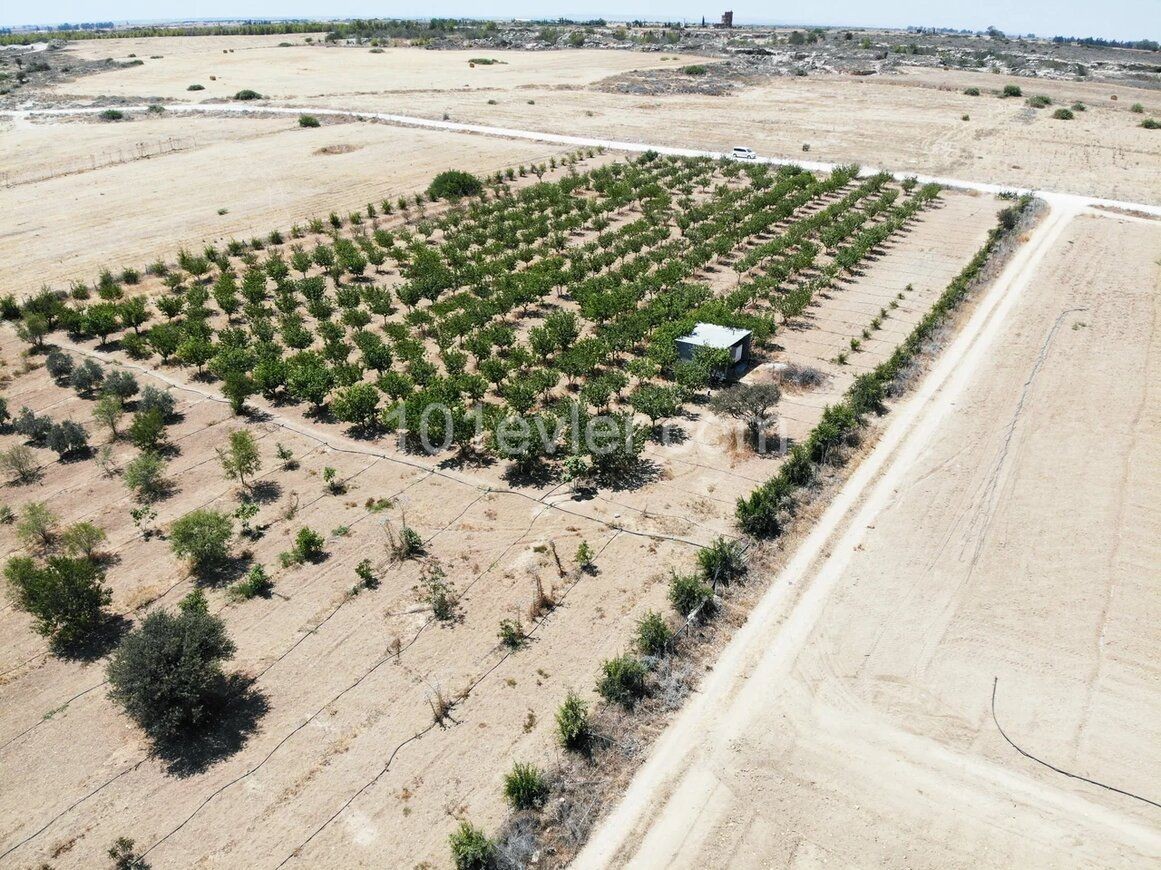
(848, 720)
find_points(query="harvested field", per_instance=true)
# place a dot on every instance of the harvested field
(909, 122)
(316, 71)
(266, 174)
(1019, 545)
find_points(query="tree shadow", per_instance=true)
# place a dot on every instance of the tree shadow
(224, 572)
(98, 643)
(468, 458)
(640, 473)
(236, 710)
(537, 474)
(256, 415)
(265, 491)
(667, 434)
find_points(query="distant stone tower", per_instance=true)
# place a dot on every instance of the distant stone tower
(728, 19)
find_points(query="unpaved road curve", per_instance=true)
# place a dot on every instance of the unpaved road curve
(1063, 198)
(848, 721)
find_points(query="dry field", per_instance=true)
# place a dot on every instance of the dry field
(1018, 542)
(305, 71)
(266, 174)
(907, 123)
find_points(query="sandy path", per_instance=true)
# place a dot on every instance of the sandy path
(857, 728)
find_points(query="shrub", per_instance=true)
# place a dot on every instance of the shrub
(125, 856)
(145, 476)
(111, 115)
(308, 121)
(1137, 109)
(622, 680)
(147, 431)
(37, 526)
(66, 596)
(407, 545)
(167, 674)
(572, 723)
(687, 593)
(525, 786)
(1063, 115)
(366, 574)
(471, 849)
(247, 94)
(1011, 91)
(653, 635)
(512, 633)
(971, 92)
(1151, 124)
(256, 583)
(203, 537)
(721, 562)
(309, 545)
(584, 555)
(439, 594)
(1039, 101)
(695, 69)
(454, 184)
(196, 88)
(19, 462)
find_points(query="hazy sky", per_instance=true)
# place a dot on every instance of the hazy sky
(1118, 19)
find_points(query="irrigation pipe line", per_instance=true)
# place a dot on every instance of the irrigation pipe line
(1053, 767)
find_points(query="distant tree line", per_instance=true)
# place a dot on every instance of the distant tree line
(1095, 42)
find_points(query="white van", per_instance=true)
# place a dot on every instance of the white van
(740, 153)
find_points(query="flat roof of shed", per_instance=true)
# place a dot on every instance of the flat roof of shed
(712, 335)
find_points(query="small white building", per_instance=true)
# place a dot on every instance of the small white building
(736, 341)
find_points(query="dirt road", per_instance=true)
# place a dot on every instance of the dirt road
(1006, 527)
(1063, 198)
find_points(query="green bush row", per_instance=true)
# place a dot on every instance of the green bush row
(764, 511)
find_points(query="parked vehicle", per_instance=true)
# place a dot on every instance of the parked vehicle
(741, 153)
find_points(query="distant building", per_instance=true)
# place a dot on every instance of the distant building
(736, 341)
(727, 19)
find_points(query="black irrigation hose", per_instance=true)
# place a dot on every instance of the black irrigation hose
(579, 575)
(1052, 767)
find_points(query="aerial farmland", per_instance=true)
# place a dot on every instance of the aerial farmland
(370, 498)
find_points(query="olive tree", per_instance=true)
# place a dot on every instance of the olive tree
(750, 403)
(167, 674)
(65, 595)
